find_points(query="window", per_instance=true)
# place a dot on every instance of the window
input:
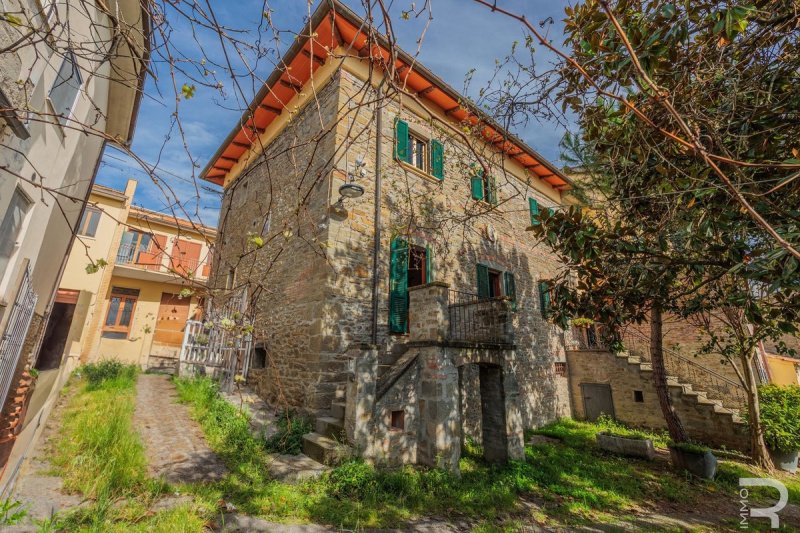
(561, 369)
(259, 357)
(12, 226)
(120, 312)
(545, 295)
(533, 207)
(398, 420)
(483, 187)
(494, 283)
(409, 266)
(230, 280)
(132, 245)
(638, 396)
(65, 89)
(423, 154)
(89, 222)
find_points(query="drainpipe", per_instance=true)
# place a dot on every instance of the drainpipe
(376, 246)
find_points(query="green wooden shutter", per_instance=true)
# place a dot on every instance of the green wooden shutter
(533, 205)
(429, 274)
(483, 281)
(551, 211)
(437, 159)
(544, 297)
(401, 151)
(398, 286)
(511, 289)
(477, 185)
(491, 190)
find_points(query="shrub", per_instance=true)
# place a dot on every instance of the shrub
(780, 416)
(289, 437)
(103, 373)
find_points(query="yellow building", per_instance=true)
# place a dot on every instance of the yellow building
(133, 308)
(783, 370)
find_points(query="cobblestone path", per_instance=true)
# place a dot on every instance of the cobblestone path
(174, 443)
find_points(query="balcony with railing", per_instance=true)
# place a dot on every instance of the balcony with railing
(129, 255)
(437, 313)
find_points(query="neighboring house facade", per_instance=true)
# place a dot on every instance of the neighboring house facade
(413, 325)
(133, 309)
(65, 91)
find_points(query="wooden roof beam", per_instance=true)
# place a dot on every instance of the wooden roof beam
(231, 159)
(452, 110)
(297, 87)
(314, 57)
(240, 145)
(271, 109)
(426, 90)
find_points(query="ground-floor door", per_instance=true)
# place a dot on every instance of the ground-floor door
(597, 400)
(57, 332)
(173, 312)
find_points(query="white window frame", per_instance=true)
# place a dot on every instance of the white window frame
(23, 229)
(67, 119)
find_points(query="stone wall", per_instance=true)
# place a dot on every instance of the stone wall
(283, 196)
(460, 232)
(701, 420)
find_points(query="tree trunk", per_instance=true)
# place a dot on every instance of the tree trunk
(676, 431)
(758, 448)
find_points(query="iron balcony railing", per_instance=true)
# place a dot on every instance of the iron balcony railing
(479, 320)
(128, 254)
(13, 339)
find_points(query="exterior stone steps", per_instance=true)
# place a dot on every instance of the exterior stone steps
(331, 427)
(324, 449)
(338, 409)
(687, 390)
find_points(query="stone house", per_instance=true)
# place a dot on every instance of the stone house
(397, 295)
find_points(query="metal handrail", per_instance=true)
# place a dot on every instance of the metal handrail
(477, 319)
(728, 388)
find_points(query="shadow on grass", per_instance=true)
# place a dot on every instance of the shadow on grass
(570, 482)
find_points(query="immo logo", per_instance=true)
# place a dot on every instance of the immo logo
(746, 511)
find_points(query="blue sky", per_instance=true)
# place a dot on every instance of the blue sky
(462, 36)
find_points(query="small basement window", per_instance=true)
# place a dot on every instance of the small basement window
(398, 420)
(561, 369)
(638, 396)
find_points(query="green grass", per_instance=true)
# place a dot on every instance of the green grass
(99, 455)
(573, 482)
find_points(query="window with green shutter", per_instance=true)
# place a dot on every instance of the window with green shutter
(491, 190)
(429, 274)
(437, 159)
(551, 211)
(398, 286)
(544, 297)
(401, 151)
(510, 289)
(533, 206)
(484, 291)
(477, 185)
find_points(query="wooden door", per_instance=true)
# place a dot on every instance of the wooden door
(597, 400)
(173, 312)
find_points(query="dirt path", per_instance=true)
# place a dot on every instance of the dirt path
(174, 443)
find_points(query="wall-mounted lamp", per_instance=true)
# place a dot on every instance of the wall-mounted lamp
(351, 189)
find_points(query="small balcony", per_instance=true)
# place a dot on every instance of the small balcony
(439, 314)
(160, 264)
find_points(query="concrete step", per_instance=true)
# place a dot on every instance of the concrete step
(325, 450)
(337, 410)
(328, 426)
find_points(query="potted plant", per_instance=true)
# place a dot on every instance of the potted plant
(582, 322)
(630, 442)
(693, 458)
(780, 420)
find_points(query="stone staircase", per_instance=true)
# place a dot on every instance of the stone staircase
(327, 444)
(699, 411)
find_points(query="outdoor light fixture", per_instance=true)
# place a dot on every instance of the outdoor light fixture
(351, 190)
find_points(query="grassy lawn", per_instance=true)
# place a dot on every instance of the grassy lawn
(571, 482)
(99, 455)
(564, 483)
